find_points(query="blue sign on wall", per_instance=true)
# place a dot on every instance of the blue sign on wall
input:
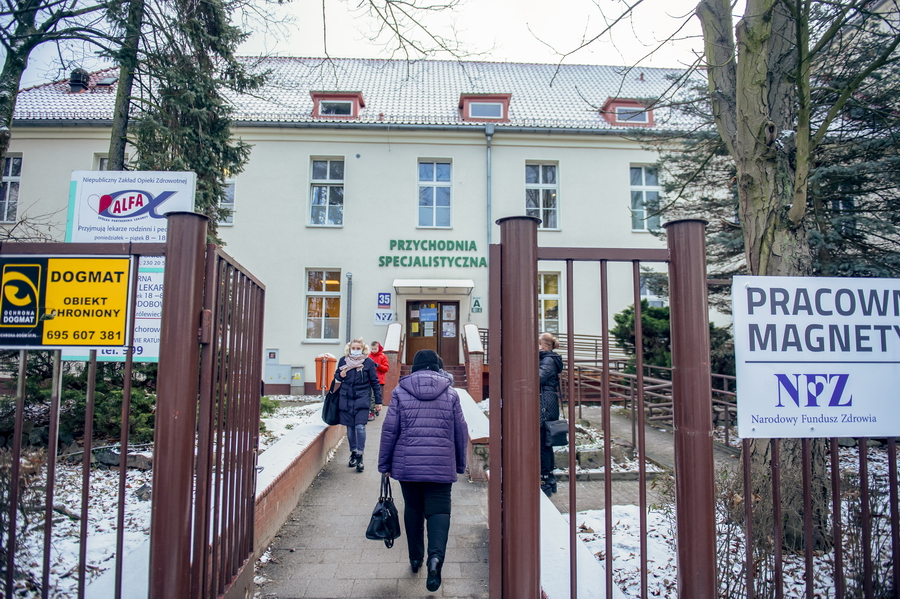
(428, 315)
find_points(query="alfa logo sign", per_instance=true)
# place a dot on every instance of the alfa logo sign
(817, 357)
(56, 302)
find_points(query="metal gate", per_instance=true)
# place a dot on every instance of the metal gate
(514, 484)
(206, 430)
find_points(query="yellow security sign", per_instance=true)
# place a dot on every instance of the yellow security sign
(58, 301)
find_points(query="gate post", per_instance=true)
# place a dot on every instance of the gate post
(519, 410)
(694, 476)
(178, 388)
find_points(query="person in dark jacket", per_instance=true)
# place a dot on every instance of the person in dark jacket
(358, 378)
(423, 445)
(551, 365)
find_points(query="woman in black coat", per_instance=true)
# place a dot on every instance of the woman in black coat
(358, 378)
(551, 365)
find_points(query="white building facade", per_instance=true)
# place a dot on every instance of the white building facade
(373, 186)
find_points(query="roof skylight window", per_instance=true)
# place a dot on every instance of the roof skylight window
(337, 105)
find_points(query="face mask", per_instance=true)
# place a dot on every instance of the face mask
(355, 352)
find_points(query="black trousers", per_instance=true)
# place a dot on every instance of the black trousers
(424, 501)
(547, 457)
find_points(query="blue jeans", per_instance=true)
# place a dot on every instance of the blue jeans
(356, 437)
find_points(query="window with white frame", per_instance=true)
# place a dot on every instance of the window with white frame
(226, 204)
(541, 194)
(9, 188)
(645, 192)
(548, 302)
(632, 114)
(103, 162)
(327, 193)
(649, 294)
(486, 110)
(434, 194)
(336, 107)
(323, 304)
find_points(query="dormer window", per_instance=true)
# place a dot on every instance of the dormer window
(627, 112)
(341, 105)
(484, 107)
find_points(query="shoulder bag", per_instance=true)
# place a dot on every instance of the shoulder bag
(330, 410)
(384, 525)
(557, 432)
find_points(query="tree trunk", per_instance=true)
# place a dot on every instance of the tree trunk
(128, 60)
(753, 89)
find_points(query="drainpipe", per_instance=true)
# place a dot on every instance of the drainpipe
(349, 301)
(488, 134)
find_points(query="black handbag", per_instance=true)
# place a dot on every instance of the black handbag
(557, 432)
(330, 410)
(384, 525)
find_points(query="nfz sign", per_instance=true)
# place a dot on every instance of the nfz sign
(55, 302)
(817, 357)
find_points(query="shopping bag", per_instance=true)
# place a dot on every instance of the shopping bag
(330, 407)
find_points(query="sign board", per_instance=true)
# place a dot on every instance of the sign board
(477, 305)
(384, 301)
(122, 206)
(384, 317)
(63, 301)
(817, 357)
(428, 314)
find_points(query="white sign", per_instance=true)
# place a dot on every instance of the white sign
(123, 206)
(817, 357)
(476, 305)
(384, 317)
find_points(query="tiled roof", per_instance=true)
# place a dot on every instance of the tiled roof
(397, 92)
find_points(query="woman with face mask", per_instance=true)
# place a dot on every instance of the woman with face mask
(358, 378)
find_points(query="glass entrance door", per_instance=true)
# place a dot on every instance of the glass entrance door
(433, 325)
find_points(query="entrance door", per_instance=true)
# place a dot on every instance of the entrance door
(433, 325)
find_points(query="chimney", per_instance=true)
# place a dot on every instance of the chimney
(78, 81)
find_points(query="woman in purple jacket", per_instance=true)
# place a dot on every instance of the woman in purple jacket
(423, 445)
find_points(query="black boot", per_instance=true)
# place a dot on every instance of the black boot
(415, 564)
(354, 459)
(359, 463)
(433, 582)
(548, 485)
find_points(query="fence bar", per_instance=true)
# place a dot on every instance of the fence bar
(14, 474)
(86, 467)
(519, 378)
(778, 532)
(176, 407)
(641, 431)
(836, 519)
(806, 460)
(694, 483)
(866, 517)
(52, 451)
(607, 427)
(570, 355)
(495, 495)
(123, 435)
(748, 523)
(895, 517)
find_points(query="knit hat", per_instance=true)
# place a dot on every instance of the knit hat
(427, 359)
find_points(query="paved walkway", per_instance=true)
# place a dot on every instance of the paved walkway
(322, 551)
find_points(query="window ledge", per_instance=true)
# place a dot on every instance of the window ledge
(551, 229)
(324, 226)
(426, 228)
(321, 342)
(645, 230)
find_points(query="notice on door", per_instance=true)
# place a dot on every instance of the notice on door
(58, 302)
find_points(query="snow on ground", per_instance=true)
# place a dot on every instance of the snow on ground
(300, 422)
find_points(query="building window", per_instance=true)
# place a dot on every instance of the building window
(323, 304)
(645, 191)
(631, 114)
(484, 107)
(541, 199)
(9, 188)
(103, 162)
(653, 300)
(434, 194)
(341, 105)
(226, 204)
(548, 302)
(327, 193)
(485, 110)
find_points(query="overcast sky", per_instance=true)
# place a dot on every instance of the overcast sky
(497, 30)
